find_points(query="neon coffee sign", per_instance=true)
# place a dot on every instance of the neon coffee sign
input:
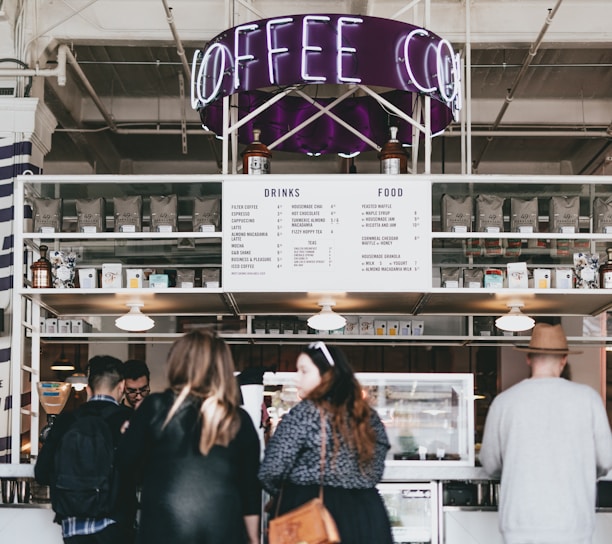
(330, 49)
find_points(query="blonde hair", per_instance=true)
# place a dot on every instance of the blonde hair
(200, 365)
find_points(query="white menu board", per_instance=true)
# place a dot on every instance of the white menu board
(283, 234)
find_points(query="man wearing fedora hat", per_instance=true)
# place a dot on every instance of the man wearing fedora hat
(549, 440)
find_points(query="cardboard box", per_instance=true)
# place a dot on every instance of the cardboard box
(564, 278)
(258, 325)
(366, 325)
(517, 276)
(393, 328)
(64, 326)
(111, 276)
(542, 278)
(405, 328)
(273, 325)
(88, 278)
(351, 326)
(76, 326)
(51, 325)
(418, 328)
(133, 278)
(380, 327)
(158, 281)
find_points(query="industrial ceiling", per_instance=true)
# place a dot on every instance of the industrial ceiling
(537, 82)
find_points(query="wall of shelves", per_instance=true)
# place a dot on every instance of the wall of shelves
(299, 288)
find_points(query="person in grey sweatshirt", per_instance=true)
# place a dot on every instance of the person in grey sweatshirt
(548, 439)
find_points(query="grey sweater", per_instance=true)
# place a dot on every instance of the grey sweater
(549, 439)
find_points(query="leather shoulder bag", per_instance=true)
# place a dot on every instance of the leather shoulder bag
(310, 523)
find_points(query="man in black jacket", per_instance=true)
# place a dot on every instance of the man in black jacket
(104, 390)
(137, 387)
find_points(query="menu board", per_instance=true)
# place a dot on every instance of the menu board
(297, 234)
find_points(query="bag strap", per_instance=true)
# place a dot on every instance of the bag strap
(322, 469)
(323, 448)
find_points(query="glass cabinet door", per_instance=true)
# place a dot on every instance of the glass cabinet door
(412, 509)
(428, 417)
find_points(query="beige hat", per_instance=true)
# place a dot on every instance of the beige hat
(547, 338)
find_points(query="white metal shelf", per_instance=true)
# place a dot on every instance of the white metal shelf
(120, 235)
(296, 300)
(170, 301)
(522, 236)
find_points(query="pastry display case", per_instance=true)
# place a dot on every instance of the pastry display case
(429, 417)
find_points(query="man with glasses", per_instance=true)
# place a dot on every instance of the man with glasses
(137, 386)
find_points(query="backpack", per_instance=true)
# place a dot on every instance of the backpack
(86, 481)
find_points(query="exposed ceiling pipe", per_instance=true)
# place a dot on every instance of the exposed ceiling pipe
(142, 131)
(599, 162)
(59, 71)
(510, 96)
(578, 133)
(187, 70)
(108, 117)
(177, 40)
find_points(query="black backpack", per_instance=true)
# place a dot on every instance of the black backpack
(86, 482)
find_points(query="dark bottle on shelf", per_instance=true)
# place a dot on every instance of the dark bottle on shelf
(605, 272)
(256, 157)
(393, 157)
(41, 270)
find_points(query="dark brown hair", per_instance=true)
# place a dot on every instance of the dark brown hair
(342, 396)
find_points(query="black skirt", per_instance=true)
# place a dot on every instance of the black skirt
(360, 514)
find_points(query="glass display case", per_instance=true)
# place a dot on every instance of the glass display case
(429, 417)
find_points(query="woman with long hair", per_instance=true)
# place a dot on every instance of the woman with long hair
(356, 446)
(196, 451)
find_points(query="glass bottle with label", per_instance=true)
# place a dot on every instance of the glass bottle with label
(256, 157)
(605, 272)
(41, 270)
(393, 158)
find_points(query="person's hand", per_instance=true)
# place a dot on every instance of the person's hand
(125, 426)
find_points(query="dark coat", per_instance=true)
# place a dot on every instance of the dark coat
(125, 508)
(188, 497)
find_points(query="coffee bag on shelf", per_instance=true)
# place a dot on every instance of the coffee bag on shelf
(164, 214)
(128, 213)
(206, 213)
(47, 214)
(91, 215)
(456, 213)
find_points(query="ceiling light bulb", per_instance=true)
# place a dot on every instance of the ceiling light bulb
(78, 381)
(134, 320)
(62, 363)
(326, 319)
(514, 320)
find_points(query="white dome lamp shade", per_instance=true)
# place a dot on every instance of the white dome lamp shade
(515, 320)
(326, 319)
(78, 380)
(134, 320)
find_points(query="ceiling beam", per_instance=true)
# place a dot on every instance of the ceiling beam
(95, 147)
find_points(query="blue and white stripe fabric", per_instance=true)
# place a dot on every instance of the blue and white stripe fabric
(15, 159)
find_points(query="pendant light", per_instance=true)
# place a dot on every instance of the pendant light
(78, 379)
(134, 320)
(326, 319)
(515, 320)
(62, 363)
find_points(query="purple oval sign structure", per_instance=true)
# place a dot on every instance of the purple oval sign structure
(261, 58)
